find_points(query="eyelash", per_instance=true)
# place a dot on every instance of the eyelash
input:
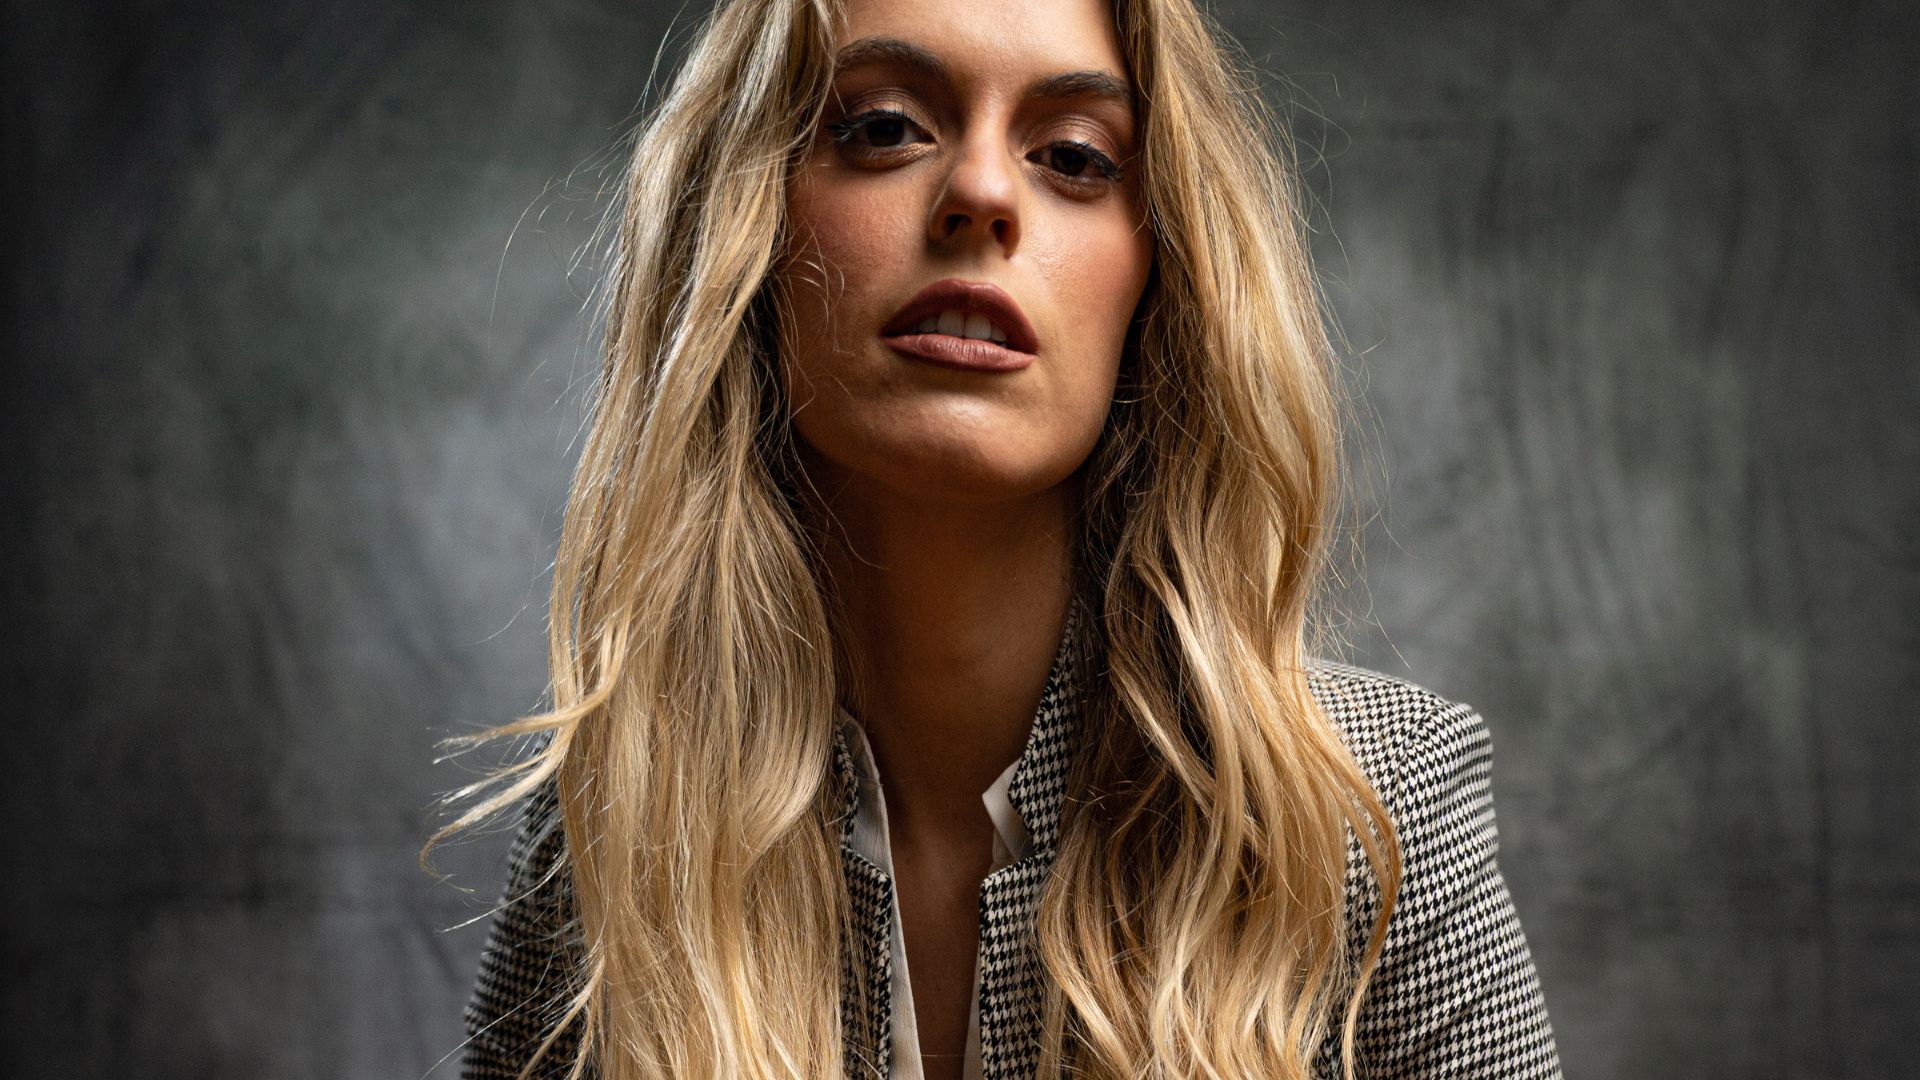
(844, 130)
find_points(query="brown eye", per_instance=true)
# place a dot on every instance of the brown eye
(1070, 160)
(875, 129)
(886, 131)
(1077, 161)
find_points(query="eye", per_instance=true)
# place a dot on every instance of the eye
(1076, 160)
(876, 129)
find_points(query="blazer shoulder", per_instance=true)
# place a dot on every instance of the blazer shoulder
(533, 959)
(1384, 720)
(1455, 992)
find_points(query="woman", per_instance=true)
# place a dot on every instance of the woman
(932, 689)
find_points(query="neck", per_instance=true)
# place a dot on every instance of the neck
(954, 615)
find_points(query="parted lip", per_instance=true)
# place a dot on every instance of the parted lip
(971, 298)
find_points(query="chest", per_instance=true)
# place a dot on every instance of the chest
(999, 922)
(938, 890)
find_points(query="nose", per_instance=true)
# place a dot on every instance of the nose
(980, 200)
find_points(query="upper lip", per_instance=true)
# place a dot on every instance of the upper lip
(967, 297)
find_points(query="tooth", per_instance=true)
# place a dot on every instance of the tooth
(952, 323)
(979, 327)
(926, 326)
(997, 337)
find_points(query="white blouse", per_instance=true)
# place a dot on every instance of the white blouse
(870, 838)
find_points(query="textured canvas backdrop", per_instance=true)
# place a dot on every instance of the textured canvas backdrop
(1632, 298)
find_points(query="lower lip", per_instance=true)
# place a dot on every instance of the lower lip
(967, 354)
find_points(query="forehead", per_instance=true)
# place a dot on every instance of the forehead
(988, 37)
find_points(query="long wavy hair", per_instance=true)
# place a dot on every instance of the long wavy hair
(1195, 923)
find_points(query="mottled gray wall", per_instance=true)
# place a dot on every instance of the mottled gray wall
(1633, 300)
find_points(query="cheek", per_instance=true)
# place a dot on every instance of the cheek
(1097, 270)
(1096, 265)
(846, 244)
(1108, 270)
(844, 249)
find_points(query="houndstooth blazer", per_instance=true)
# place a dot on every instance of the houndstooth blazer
(1455, 995)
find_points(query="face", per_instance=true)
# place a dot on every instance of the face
(968, 247)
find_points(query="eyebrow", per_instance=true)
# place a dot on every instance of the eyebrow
(1101, 85)
(871, 50)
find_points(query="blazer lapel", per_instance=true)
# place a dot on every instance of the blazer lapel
(1010, 972)
(866, 940)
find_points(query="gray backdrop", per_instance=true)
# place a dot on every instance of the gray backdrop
(1632, 296)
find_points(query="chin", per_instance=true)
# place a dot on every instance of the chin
(975, 475)
(965, 483)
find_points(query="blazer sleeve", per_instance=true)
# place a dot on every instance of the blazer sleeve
(1456, 993)
(527, 973)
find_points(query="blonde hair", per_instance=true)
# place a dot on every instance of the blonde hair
(1195, 923)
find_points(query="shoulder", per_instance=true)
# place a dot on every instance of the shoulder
(539, 877)
(1402, 735)
(1455, 992)
(1430, 759)
(533, 957)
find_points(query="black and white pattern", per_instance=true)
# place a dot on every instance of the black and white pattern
(533, 952)
(1010, 897)
(866, 946)
(1455, 995)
